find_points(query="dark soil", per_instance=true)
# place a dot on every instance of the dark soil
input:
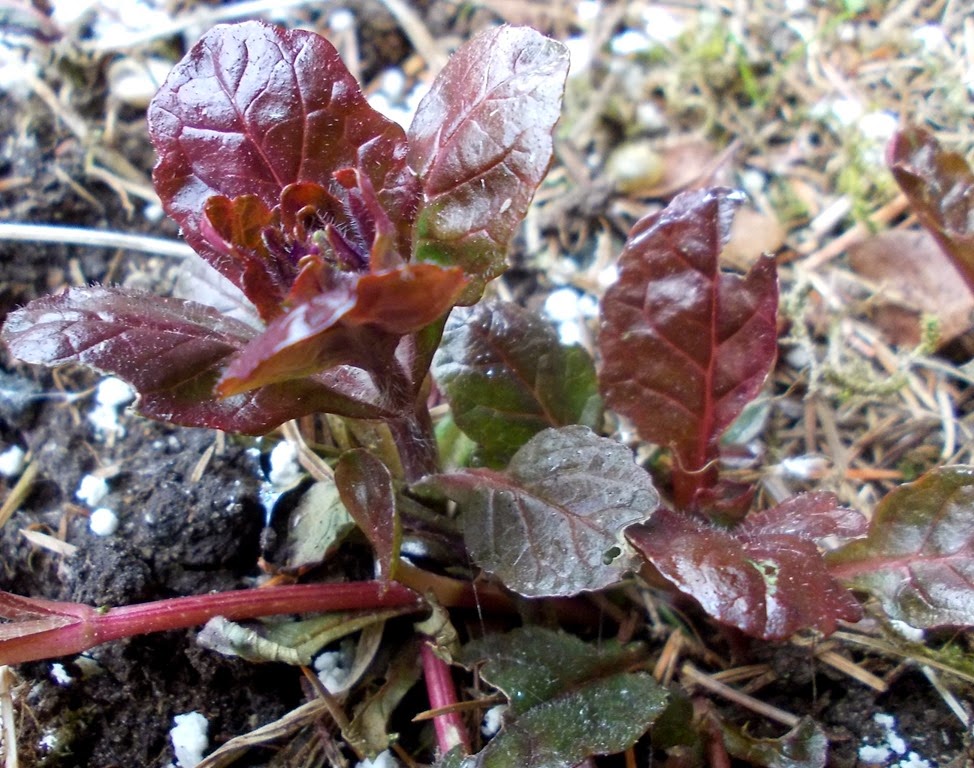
(176, 536)
(182, 536)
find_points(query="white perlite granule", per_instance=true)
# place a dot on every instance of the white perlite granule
(12, 461)
(891, 747)
(103, 522)
(382, 760)
(189, 738)
(110, 396)
(92, 490)
(285, 470)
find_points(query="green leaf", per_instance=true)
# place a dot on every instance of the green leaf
(601, 718)
(918, 557)
(552, 523)
(455, 448)
(532, 665)
(507, 377)
(571, 700)
(318, 524)
(804, 746)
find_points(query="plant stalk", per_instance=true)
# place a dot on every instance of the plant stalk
(450, 730)
(61, 629)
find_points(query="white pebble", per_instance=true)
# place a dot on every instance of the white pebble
(588, 10)
(661, 24)
(873, 755)
(588, 305)
(153, 213)
(332, 669)
(607, 276)
(60, 675)
(628, 42)
(103, 522)
(493, 720)
(562, 305)
(844, 111)
(884, 720)
(896, 742)
(579, 54)
(92, 489)
(341, 20)
(392, 82)
(569, 333)
(879, 126)
(382, 760)
(114, 392)
(913, 760)
(931, 37)
(189, 738)
(12, 461)
(285, 470)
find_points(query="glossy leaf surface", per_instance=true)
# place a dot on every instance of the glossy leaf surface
(572, 703)
(171, 351)
(507, 377)
(552, 523)
(357, 322)
(532, 664)
(685, 345)
(940, 187)
(253, 108)
(918, 557)
(481, 143)
(367, 491)
(766, 577)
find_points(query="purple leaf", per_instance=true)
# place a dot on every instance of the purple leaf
(198, 282)
(685, 345)
(940, 188)
(172, 351)
(814, 516)
(481, 143)
(551, 524)
(254, 108)
(152, 342)
(766, 583)
(366, 490)
(358, 321)
(507, 377)
(918, 557)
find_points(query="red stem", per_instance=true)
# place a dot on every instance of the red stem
(688, 483)
(68, 628)
(450, 730)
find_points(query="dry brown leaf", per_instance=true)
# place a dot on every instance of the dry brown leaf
(915, 278)
(752, 234)
(679, 164)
